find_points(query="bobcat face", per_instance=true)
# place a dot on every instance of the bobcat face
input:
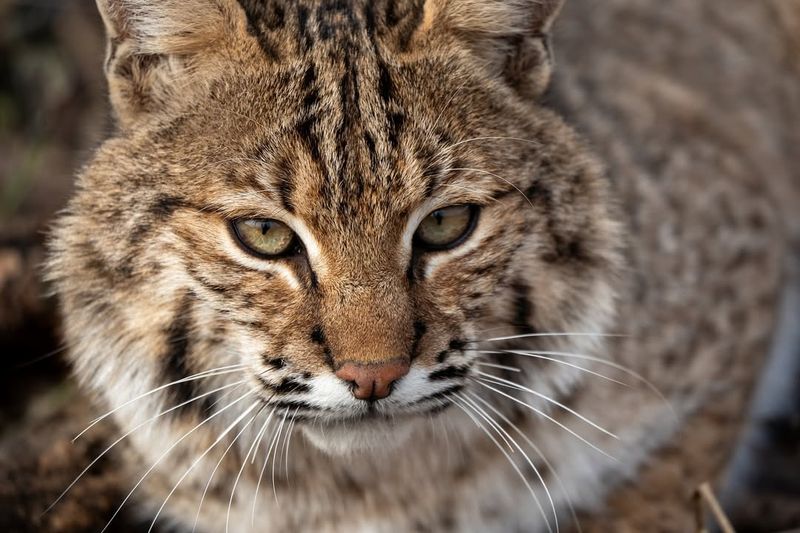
(327, 206)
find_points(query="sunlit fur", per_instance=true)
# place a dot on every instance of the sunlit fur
(350, 121)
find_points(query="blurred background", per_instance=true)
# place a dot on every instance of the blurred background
(53, 112)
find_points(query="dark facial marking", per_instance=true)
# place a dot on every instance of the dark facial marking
(286, 386)
(455, 345)
(336, 18)
(450, 372)
(206, 284)
(263, 17)
(373, 154)
(523, 309)
(176, 357)
(567, 249)
(297, 405)
(159, 211)
(396, 122)
(449, 391)
(305, 129)
(318, 335)
(419, 331)
(277, 362)
(385, 84)
(408, 22)
(305, 36)
(326, 353)
(164, 206)
(285, 190)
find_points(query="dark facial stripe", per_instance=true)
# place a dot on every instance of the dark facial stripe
(276, 362)
(373, 154)
(206, 284)
(439, 408)
(296, 404)
(456, 345)
(285, 190)
(419, 331)
(318, 335)
(385, 84)
(397, 121)
(407, 22)
(176, 365)
(303, 33)
(160, 210)
(523, 309)
(305, 129)
(449, 391)
(335, 18)
(450, 372)
(285, 386)
(263, 17)
(309, 80)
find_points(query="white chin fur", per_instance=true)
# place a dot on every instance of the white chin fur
(346, 438)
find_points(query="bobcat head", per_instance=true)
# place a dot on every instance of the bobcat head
(323, 208)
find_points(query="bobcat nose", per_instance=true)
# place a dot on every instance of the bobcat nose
(372, 381)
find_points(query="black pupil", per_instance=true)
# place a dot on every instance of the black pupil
(266, 225)
(438, 216)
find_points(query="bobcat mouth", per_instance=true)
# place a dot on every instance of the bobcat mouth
(327, 399)
(369, 431)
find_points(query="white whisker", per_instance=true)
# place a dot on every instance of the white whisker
(502, 430)
(494, 365)
(289, 433)
(502, 381)
(611, 364)
(539, 453)
(167, 452)
(507, 456)
(492, 138)
(252, 450)
(560, 334)
(214, 471)
(200, 375)
(546, 416)
(497, 176)
(275, 456)
(120, 439)
(197, 461)
(263, 468)
(261, 434)
(537, 355)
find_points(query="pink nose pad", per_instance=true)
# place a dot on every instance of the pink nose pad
(372, 381)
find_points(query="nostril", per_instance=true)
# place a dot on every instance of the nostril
(372, 381)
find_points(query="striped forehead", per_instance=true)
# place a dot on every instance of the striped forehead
(350, 138)
(317, 23)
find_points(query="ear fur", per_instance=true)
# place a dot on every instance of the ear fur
(152, 49)
(510, 36)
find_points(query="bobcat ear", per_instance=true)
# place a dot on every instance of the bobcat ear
(510, 36)
(153, 47)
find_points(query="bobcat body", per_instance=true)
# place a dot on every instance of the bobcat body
(594, 310)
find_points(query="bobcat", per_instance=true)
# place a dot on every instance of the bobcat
(344, 265)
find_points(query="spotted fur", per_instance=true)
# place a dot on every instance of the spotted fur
(350, 121)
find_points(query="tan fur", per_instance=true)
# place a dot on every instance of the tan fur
(350, 122)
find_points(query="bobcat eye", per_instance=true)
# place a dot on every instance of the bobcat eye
(264, 237)
(446, 227)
